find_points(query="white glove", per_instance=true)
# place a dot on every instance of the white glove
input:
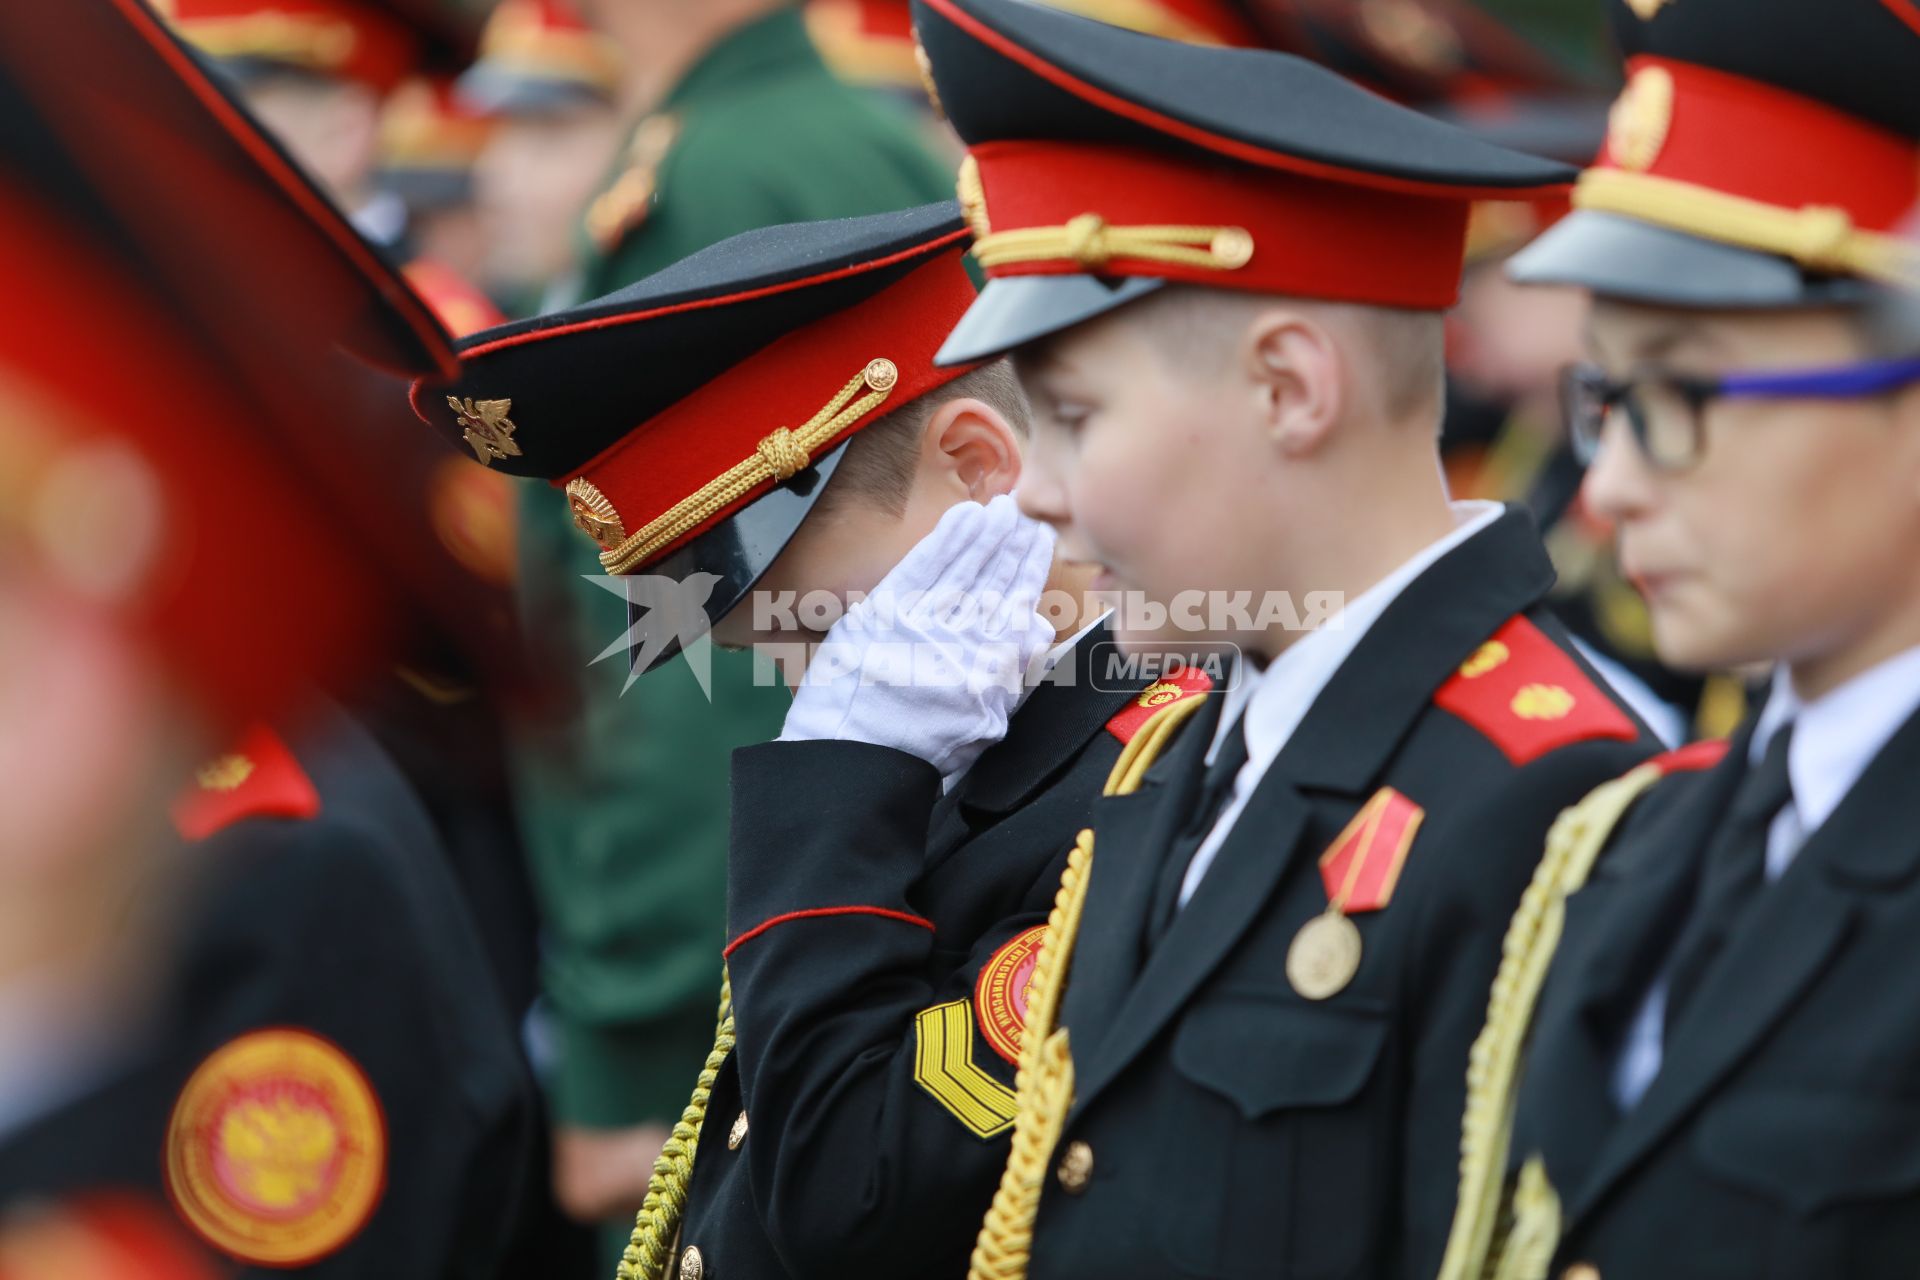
(934, 661)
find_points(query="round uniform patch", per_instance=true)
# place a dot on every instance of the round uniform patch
(1000, 994)
(277, 1149)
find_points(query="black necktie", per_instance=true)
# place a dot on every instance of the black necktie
(1733, 873)
(1215, 786)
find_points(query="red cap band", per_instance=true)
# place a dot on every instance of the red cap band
(657, 470)
(1310, 237)
(1746, 138)
(339, 38)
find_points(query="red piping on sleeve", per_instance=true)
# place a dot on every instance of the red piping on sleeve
(817, 912)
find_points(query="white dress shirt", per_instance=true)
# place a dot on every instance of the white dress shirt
(1835, 738)
(1273, 702)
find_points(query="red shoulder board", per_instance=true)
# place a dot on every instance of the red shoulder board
(259, 778)
(1529, 696)
(1703, 754)
(1187, 682)
(457, 304)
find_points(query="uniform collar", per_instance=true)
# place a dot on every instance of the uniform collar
(747, 55)
(1839, 733)
(1065, 647)
(1282, 694)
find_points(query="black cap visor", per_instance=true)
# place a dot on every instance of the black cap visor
(1015, 310)
(684, 595)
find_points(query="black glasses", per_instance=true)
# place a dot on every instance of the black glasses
(1665, 410)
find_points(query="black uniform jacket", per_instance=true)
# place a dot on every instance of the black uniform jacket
(878, 1108)
(1225, 1126)
(1781, 1137)
(332, 934)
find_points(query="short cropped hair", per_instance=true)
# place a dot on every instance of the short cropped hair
(882, 460)
(1405, 349)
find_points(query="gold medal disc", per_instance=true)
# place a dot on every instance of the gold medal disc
(1324, 956)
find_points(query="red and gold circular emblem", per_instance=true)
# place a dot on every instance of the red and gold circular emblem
(277, 1150)
(1000, 993)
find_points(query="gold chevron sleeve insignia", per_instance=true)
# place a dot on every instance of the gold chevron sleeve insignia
(943, 1065)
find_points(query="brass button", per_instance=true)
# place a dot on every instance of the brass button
(692, 1265)
(1076, 1168)
(1581, 1271)
(738, 1134)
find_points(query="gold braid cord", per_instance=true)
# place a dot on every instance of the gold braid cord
(1528, 1250)
(1043, 1086)
(658, 1222)
(779, 456)
(1493, 1068)
(1090, 242)
(1820, 237)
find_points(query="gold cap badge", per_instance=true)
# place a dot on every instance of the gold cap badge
(594, 514)
(485, 427)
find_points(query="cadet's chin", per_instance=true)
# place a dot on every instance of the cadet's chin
(1689, 642)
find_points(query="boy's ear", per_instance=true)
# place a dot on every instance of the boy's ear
(1298, 373)
(972, 449)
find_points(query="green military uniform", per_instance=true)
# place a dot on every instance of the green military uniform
(626, 813)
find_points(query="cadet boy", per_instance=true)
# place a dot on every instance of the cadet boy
(550, 83)
(1718, 1076)
(624, 807)
(793, 436)
(1221, 273)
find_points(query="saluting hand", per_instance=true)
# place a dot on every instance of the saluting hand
(934, 661)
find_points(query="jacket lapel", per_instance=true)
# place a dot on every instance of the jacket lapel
(1765, 969)
(1232, 895)
(1619, 929)
(1131, 834)
(1777, 954)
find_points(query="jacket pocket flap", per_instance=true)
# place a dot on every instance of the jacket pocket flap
(1809, 1149)
(1269, 1054)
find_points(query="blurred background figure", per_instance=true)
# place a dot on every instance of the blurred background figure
(239, 976)
(317, 74)
(552, 86)
(347, 86)
(429, 143)
(869, 44)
